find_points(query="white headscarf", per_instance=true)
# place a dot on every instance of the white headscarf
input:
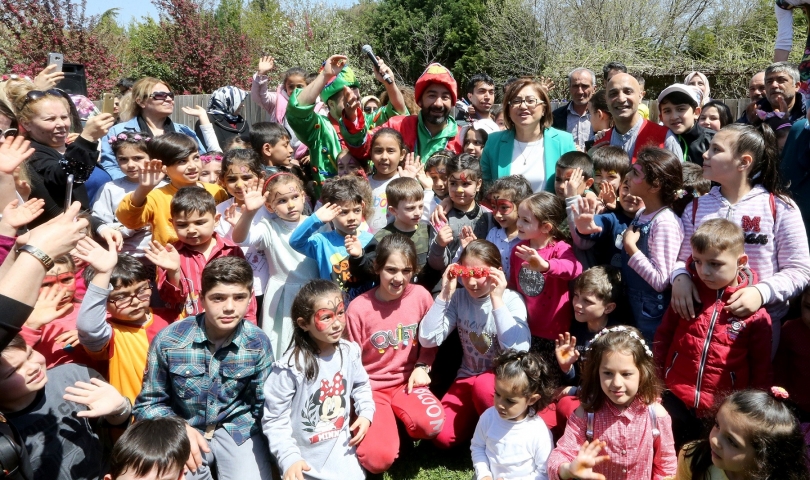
(705, 98)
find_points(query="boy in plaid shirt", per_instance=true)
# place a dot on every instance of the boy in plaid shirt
(209, 370)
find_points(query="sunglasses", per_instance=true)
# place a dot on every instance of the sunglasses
(369, 109)
(34, 95)
(11, 132)
(161, 96)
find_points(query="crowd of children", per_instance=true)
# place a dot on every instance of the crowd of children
(246, 328)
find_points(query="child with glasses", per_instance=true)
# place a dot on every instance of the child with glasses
(115, 322)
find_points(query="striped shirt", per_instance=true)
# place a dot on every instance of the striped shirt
(630, 443)
(666, 236)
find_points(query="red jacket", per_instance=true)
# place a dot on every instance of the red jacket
(650, 135)
(703, 359)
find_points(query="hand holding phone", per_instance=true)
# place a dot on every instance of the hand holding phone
(56, 59)
(69, 192)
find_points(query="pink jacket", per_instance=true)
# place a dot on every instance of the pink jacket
(776, 242)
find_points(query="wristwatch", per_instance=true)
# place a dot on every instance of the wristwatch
(425, 366)
(38, 254)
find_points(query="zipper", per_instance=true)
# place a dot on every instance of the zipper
(671, 364)
(705, 352)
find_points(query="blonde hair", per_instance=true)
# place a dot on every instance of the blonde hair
(140, 93)
(17, 90)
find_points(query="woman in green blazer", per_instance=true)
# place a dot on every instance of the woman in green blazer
(529, 146)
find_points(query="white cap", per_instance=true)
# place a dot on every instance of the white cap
(689, 90)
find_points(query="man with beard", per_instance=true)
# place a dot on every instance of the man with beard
(339, 88)
(574, 117)
(426, 133)
(756, 92)
(631, 132)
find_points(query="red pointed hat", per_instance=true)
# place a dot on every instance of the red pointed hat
(436, 73)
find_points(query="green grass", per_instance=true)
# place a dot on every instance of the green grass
(426, 462)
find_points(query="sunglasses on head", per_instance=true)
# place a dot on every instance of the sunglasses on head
(8, 133)
(34, 95)
(161, 96)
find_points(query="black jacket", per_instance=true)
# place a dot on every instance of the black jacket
(49, 171)
(695, 143)
(224, 130)
(796, 113)
(560, 116)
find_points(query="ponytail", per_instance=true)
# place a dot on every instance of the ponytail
(760, 143)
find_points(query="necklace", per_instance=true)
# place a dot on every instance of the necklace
(523, 152)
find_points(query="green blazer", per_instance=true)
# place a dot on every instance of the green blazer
(496, 159)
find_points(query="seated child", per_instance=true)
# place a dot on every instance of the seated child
(604, 232)
(51, 327)
(180, 265)
(511, 440)
(464, 181)
(313, 389)
(705, 358)
(150, 206)
(573, 175)
(115, 322)
(131, 155)
(790, 367)
(344, 206)
(209, 370)
(151, 449)
(679, 108)
(610, 165)
(54, 411)
(504, 197)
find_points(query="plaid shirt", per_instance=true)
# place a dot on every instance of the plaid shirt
(208, 390)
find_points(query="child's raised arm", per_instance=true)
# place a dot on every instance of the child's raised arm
(94, 331)
(302, 240)
(440, 320)
(254, 200)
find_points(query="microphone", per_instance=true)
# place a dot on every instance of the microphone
(367, 50)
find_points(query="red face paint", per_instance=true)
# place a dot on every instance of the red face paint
(463, 177)
(325, 317)
(504, 206)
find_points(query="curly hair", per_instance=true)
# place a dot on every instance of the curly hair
(529, 374)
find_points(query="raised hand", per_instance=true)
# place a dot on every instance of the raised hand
(233, 214)
(565, 349)
(548, 83)
(584, 215)
(383, 70)
(114, 236)
(571, 186)
(587, 458)
(351, 104)
(151, 174)
(608, 195)
(444, 236)
(467, 236)
(266, 64)
(334, 65)
(47, 308)
(531, 258)
(254, 198)
(497, 280)
(102, 259)
(328, 212)
(59, 235)
(13, 153)
(199, 112)
(166, 257)
(16, 216)
(97, 126)
(353, 246)
(48, 78)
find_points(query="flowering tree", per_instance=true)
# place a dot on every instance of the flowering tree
(36, 27)
(201, 53)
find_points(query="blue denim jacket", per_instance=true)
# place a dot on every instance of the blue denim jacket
(224, 389)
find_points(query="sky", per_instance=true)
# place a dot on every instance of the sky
(129, 9)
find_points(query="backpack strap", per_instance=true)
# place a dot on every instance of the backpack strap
(653, 421)
(589, 431)
(773, 207)
(694, 209)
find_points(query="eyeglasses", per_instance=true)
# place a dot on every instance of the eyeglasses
(8, 133)
(34, 95)
(123, 300)
(161, 96)
(531, 102)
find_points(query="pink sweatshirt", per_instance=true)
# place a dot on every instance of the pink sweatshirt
(388, 334)
(666, 236)
(547, 300)
(43, 340)
(777, 250)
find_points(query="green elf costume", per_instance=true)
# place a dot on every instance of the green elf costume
(417, 137)
(321, 133)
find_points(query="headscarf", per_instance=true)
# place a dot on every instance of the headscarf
(225, 101)
(706, 98)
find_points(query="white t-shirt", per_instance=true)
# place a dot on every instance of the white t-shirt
(527, 160)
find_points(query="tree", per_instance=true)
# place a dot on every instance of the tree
(37, 27)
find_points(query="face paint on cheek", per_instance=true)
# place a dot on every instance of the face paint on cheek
(325, 317)
(504, 206)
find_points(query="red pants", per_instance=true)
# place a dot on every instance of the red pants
(420, 412)
(464, 403)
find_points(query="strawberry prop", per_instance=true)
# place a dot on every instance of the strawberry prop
(468, 272)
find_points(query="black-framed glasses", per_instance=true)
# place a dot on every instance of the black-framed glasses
(122, 300)
(531, 102)
(34, 95)
(161, 96)
(8, 133)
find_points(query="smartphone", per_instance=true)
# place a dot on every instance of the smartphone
(56, 59)
(107, 103)
(69, 192)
